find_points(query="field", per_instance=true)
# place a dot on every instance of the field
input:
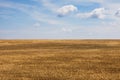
(59, 59)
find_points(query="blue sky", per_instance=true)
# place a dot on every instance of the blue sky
(59, 19)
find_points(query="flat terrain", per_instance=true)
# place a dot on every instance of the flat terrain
(59, 59)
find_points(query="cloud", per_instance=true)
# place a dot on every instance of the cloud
(33, 11)
(66, 29)
(117, 14)
(47, 4)
(98, 13)
(66, 10)
(100, 1)
(36, 24)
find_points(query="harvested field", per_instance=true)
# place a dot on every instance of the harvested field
(59, 60)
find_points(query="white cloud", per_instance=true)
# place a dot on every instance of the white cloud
(96, 13)
(36, 25)
(117, 13)
(66, 29)
(66, 10)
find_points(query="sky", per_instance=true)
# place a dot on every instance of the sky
(59, 19)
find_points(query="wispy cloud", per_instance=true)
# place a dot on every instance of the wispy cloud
(47, 4)
(31, 10)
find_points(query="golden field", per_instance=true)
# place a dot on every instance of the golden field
(59, 59)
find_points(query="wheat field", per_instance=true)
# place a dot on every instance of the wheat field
(59, 60)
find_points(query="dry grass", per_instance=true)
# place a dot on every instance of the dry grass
(59, 60)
